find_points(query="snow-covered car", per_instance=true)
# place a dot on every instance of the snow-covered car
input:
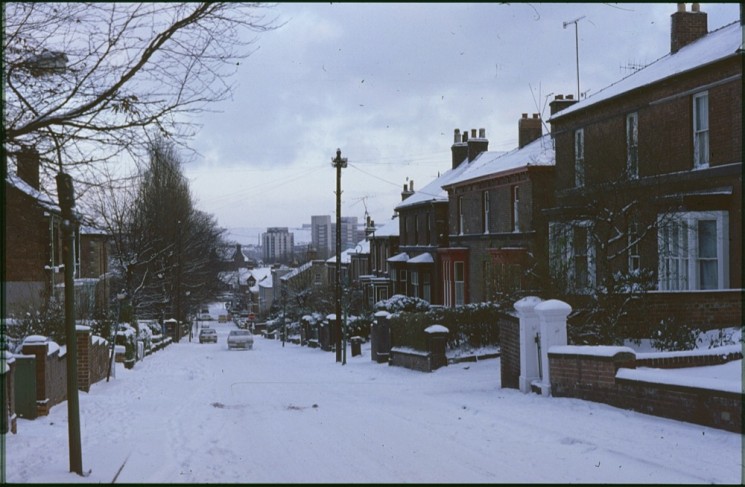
(240, 339)
(207, 335)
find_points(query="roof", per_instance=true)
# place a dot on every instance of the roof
(540, 152)
(433, 191)
(402, 257)
(424, 258)
(715, 46)
(43, 199)
(388, 229)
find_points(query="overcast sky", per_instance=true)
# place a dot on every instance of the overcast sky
(387, 83)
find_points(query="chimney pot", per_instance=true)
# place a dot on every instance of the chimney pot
(456, 136)
(482, 133)
(535, 115)
(695, 7)
(681, 7)
(525, 115)
(570, 97)
(473, 133)
(411, 185)
(559, 97)
(465, 136)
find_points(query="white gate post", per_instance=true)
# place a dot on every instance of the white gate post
(529, 326)
(553, 317)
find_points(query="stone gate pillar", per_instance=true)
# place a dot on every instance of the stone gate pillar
(529, 328)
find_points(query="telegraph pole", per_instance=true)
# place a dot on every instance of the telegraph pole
(67, 205)
(339, 162)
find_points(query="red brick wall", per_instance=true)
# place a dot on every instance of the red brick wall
(27, 248)
(706, 310)
(593, 378)
(509, 341)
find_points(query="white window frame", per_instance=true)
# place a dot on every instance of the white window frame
(414, 283)
(459, 286)
(579, 158)
(562, 255)
(404, 281)
(701, 150)
(679, 259)
(632, 243)
(446, 284)
(426, 287)
(632, 145)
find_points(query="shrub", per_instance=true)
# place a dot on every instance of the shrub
(672, 336)
(470, 326)
(398, 303)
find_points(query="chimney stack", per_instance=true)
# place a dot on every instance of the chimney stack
(407, 191)
(529, 129)
(477, 145)
(687, 27)
(28, 166)
(459, 147)
(560, 102)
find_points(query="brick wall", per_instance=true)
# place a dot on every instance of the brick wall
(705, 310)
(93, 358)
(509, 339)
(26, 238)
(592, 373)
(410, 359)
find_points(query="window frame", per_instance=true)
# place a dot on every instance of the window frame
(579, 158)
(485, 210)
(679, 266)
(459, 286)
(700, 133)
(632, 145)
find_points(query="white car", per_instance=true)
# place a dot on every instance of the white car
(240, 339)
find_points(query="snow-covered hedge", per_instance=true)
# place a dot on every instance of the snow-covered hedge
(471, 326)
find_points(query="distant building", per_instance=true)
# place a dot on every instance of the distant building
(322, 236)
(277, 244)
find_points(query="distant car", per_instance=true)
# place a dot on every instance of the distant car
(207, 335)
(240, 339)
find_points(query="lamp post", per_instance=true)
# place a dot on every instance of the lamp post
(339, 163)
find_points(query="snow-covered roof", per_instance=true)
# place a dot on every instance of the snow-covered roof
(388, 229)
(263, 276)
(433, 191)
(715, 46)
(294, 272)
(26, 188)
(402, 257)
(540, 152)
(424, 258)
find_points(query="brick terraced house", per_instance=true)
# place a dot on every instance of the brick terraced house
(649, 178)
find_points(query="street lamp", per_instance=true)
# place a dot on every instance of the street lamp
(120, 296)
(339, 162)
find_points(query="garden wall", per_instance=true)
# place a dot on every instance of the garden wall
(609, 375)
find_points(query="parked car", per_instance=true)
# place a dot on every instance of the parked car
(240, 339)
(207, 335)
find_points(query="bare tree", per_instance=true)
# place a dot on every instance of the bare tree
(84, 82)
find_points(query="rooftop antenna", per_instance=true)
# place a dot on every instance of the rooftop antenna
(576, 45)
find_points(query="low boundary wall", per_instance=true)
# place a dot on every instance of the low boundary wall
(610, 375)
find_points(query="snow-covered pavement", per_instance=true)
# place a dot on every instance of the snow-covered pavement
(202, 414)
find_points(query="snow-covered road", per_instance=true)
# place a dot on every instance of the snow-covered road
(202, 414)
